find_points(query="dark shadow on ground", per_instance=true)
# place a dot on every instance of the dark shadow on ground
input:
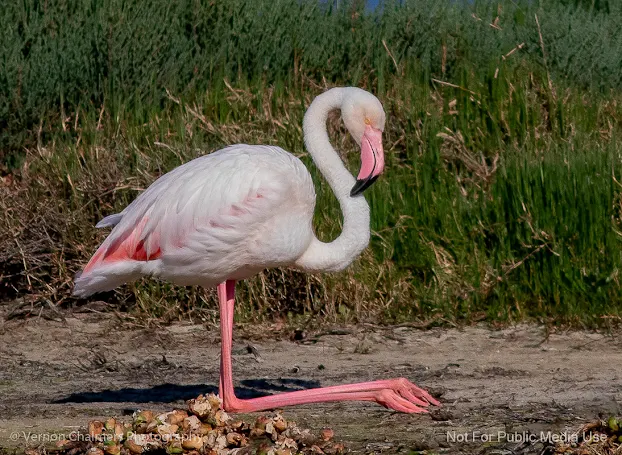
(167, 393)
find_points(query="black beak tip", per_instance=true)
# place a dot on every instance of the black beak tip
(362, 185)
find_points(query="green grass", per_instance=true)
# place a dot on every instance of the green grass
(501, 198)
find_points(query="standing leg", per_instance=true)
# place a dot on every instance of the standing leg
(226, 294)
(398, 394)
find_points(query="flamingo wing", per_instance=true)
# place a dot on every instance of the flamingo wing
(207, 220)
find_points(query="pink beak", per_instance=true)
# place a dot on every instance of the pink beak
(372, 160)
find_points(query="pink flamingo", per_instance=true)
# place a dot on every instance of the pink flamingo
(226, 216)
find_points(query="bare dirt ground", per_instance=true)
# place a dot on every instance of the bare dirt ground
(55, 375)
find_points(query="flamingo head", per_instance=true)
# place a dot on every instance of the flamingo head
(364, 118)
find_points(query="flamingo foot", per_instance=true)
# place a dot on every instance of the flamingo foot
(397, 394)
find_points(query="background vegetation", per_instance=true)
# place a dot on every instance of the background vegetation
(501, 198)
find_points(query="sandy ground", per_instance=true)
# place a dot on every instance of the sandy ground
(56, 375)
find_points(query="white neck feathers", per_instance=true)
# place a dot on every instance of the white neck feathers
(354, 237)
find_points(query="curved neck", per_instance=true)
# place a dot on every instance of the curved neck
(354, 237)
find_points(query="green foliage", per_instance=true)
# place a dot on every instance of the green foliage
(58, 56)
(501, 197)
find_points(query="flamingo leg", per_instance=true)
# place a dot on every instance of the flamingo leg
(226, 294)
(398, 394)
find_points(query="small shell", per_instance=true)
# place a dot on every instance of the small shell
(176, 417)
(167, 430)
(143, 417)
(234, 439)
(200, 407)
(327, 434)
(215, 401)
(112, 449)
(259, 427)
(174, 448)
(110, 424)
(118, 431)
(192, 443)
(237, 425)
(221, 418)
(131, 445)
(280, 424)
(96, 427)
(151, 426)
(191, 424)
(210, 438)
(261, 422)
(221, 442)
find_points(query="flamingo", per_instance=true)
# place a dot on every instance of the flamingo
(226, 216)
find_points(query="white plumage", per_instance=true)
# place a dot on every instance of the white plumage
(228, 215)
(237, 211)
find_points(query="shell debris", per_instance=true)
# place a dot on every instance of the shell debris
(203, 429)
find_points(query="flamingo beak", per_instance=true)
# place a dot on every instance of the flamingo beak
(372, 160)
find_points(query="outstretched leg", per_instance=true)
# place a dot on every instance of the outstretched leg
(398, 394)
